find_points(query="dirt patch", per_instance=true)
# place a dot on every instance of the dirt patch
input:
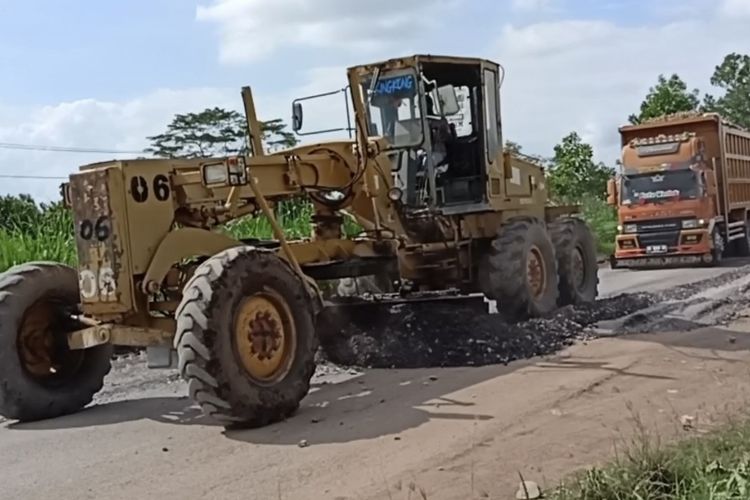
(428, 335)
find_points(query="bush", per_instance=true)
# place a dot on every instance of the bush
(603, 221)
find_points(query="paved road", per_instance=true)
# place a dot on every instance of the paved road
(616, 281)
(456, 433)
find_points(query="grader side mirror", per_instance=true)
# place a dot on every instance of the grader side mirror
(612, 192)
(448, 100)
(297, 116)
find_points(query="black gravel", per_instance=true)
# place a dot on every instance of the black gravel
(421, 335)
(430, 335)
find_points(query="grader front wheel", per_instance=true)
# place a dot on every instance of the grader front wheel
(40, 376)
(245, 337)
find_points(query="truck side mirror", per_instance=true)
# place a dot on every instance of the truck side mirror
(297, 116)
(612, 192)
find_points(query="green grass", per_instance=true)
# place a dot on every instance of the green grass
(715, 466)
(49, 238)
(294, 216)
(47, 234)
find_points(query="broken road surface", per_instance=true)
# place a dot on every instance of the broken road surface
(463, 432)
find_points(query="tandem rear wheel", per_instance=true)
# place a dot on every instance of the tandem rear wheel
(531, 268)
(245, 337)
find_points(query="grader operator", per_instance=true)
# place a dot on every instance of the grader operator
(447, 208)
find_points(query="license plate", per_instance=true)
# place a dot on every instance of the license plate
(652, 249)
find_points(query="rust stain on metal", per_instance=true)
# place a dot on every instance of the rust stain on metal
(97, 239)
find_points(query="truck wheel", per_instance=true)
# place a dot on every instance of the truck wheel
(742, 245)
(520, 270)
(577, 266)
(246, 338)
(41, 377)
(717, 252)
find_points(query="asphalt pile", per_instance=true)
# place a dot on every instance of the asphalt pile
(426, 335)
(421, 335)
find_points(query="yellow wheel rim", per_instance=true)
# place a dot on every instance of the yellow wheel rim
(265, 337)
(37, 349)
(536, 273)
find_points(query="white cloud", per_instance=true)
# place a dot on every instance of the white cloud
(124, 126)
(572, 74)
(588, 76)
(251, 30)
(532, 5)
(736, 8)
(88, 123)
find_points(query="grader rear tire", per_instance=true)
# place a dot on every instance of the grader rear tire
(40, 377)
(245, 337)
(577, 266)
(520, 270)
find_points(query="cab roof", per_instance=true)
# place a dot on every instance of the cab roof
(421, 58)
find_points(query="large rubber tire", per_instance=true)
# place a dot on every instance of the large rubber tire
(52, 291)
(503, 270)
(577, 266)
(741, 246)
(718, 250)
(209, 359)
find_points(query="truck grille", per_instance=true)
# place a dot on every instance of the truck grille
(670, 239)
(659, 225)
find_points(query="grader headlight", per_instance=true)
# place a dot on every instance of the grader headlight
(229, 172)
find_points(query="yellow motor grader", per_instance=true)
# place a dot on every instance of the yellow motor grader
(444, 211)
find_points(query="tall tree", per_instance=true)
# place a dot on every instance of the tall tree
(666, 97)
(733, 77)
(214, 132)
(573, 175)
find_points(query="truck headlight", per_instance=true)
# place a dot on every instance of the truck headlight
(629, 228)
(693, 223)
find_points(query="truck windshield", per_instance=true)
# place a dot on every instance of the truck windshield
(661, 186)
(393, 109)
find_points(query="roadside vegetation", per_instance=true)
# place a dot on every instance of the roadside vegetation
(711, 467)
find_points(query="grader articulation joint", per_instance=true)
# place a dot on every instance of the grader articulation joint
(442, 208)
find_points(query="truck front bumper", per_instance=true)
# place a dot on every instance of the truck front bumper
(689, 246)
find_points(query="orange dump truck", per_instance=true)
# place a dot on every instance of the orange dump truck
(683, 193)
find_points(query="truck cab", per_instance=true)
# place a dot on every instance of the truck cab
(670, 194)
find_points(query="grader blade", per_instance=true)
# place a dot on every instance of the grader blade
(374, 315)
(407, 332)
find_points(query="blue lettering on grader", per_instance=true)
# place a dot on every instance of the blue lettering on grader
(395, 85)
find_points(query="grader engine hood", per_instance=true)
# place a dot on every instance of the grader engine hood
(105, 282)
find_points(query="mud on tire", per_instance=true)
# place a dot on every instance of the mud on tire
(40, 377)
(210, 351)
(505, 269)
(577, 266)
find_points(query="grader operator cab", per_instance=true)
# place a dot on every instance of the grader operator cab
(438, 201)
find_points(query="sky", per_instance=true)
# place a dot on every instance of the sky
(106, 75)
